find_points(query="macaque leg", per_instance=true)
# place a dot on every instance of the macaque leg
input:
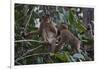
(49, 48)
(53, 45)
(78, 47)
(45, 38)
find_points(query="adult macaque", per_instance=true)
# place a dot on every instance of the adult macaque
(67, 37)
(48, 31)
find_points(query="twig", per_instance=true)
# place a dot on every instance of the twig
(18, 63)
(28, 20)
(29, 41)
(28, 52)
(31, 50)
(23, 57)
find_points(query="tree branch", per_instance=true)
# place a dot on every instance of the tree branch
(23, 57)
(28, 20)
(27, 53)
(18, 63)
(31, 50)
(28, 41)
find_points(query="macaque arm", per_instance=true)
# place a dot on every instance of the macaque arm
(78, 47)
(53, 27)
(35, 32)
(30, 34)
(40, 28)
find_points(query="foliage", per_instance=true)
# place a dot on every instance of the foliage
(33, 51)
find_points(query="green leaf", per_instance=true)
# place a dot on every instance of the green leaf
(78, 56)
(40, 60)
(64, 56)
(80, 26)
(75, 22)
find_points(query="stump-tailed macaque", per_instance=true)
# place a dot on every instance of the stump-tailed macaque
(67, 37)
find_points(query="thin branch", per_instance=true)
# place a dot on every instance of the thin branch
(29, 41)
(31, 50)
(28, 52)
(28, 20)
(18, 63)
(23, 57)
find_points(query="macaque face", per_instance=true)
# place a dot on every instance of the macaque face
(46, 19)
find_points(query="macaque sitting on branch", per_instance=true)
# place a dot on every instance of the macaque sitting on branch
(67, 37)
(48, 31)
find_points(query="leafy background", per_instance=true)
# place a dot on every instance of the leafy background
(80, 21)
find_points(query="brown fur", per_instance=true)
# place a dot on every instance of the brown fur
(48, 31)
(67, 37)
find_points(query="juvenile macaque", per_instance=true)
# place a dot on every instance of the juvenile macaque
(67, 37)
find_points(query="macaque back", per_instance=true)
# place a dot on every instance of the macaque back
(67, 37)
